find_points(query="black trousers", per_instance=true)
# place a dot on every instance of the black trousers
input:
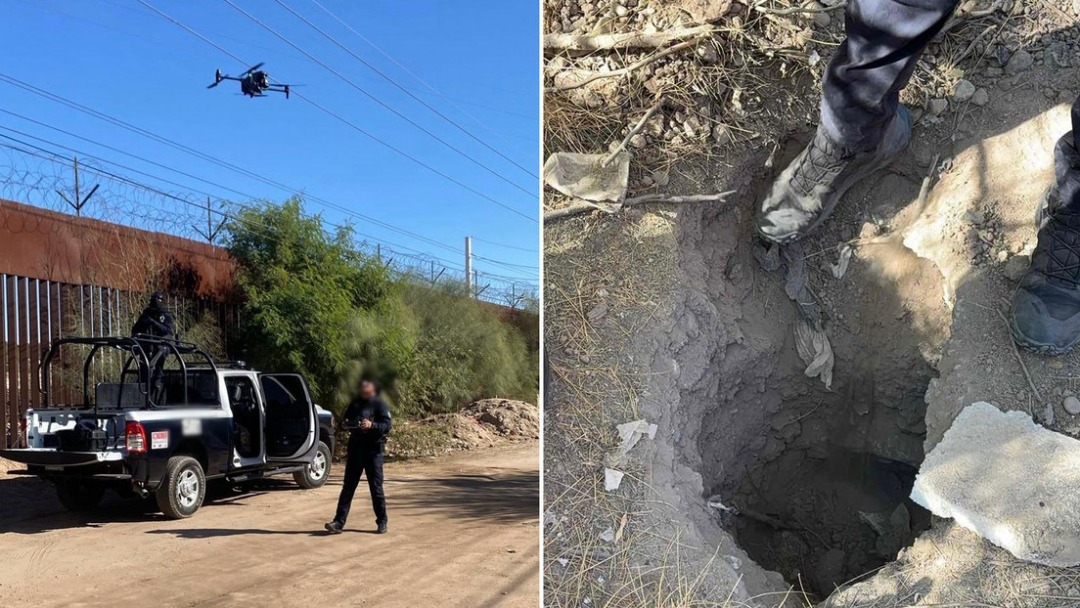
(360, 461)
(861, 90)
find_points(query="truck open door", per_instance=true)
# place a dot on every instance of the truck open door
(291, 423)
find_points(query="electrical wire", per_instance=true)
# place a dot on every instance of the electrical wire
(224, 214)
(374, 98)
(217, 161)
(399, 86)
(348, 122)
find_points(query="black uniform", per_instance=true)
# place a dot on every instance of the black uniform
(156, 321)
(365, 455)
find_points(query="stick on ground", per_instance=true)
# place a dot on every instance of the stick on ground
(631, 40)
(628, 69)
(637, 127)
(638, 200)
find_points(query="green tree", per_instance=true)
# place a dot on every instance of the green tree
(301, 287)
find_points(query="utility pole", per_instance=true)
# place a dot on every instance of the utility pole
(469, 281)
(78, 203)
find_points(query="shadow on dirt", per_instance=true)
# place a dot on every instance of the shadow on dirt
(499, 498)
(29, 505)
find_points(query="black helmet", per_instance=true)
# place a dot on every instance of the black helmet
(157, 299)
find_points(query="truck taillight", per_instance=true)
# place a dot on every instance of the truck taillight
(135, 436)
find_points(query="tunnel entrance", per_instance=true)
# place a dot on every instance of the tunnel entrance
(812, 481)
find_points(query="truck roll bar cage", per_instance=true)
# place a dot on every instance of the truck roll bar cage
(136, 347)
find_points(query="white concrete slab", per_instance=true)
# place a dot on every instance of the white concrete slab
(1009, 480)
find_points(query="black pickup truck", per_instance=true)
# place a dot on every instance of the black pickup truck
(160, 418)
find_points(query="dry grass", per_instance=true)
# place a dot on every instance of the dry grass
(753, 81)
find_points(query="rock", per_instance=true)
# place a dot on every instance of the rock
(1057, 54)
(597, 313)
(637, 141)
(963, 91)
(975, 216)
(707, 53)
(869, 230)
(1033, 471)
(1048, 415)
(994, 72)
(980, 98)
(1021, 61)
(1016, 266)
(821, 19)
(938, 106)
(1071, 405)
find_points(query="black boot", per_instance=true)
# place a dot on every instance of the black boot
(806, 192)
(1046, 307)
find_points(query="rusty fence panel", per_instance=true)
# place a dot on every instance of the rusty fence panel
(35, 312)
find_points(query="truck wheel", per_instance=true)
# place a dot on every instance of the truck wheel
(316, 473)
(77, 495)
(182, 491)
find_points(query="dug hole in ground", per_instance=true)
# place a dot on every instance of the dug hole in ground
(762, 487)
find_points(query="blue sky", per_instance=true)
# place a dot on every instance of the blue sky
(479, 56)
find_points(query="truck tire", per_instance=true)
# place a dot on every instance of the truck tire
(318, 471)
(183, 490)
(77, 495)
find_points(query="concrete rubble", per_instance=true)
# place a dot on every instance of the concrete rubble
(1009, 480)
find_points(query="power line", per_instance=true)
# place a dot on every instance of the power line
(348, 122)
(217, 161)
(413, 74)
(223, 214)
(480, 240)
(396, 84)
(202, 155)
(382, 103)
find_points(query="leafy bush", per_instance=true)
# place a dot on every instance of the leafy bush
(317, 306)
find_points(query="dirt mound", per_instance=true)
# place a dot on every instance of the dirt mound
(515, 419)
(482, 424)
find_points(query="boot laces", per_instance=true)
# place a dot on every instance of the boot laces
(1062, 260)
(818, 166)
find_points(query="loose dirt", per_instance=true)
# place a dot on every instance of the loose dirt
(463, 532)
(695, 336)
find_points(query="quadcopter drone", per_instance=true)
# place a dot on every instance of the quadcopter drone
(253, 82)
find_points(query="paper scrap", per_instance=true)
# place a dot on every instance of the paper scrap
(612, 479)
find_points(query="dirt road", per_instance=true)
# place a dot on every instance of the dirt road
(464, 531)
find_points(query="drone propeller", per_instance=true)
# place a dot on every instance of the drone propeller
(253, 68)
(217, 79)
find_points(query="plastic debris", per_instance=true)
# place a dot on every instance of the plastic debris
(814, 349)
(608, 536)
(632, 432)
(612, 479)
(714, 502)
(588, 177)
(839, 269)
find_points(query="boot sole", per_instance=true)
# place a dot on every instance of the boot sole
(1040, 348)
(844, 186)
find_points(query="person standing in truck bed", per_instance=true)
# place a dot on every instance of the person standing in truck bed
(155, 321)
